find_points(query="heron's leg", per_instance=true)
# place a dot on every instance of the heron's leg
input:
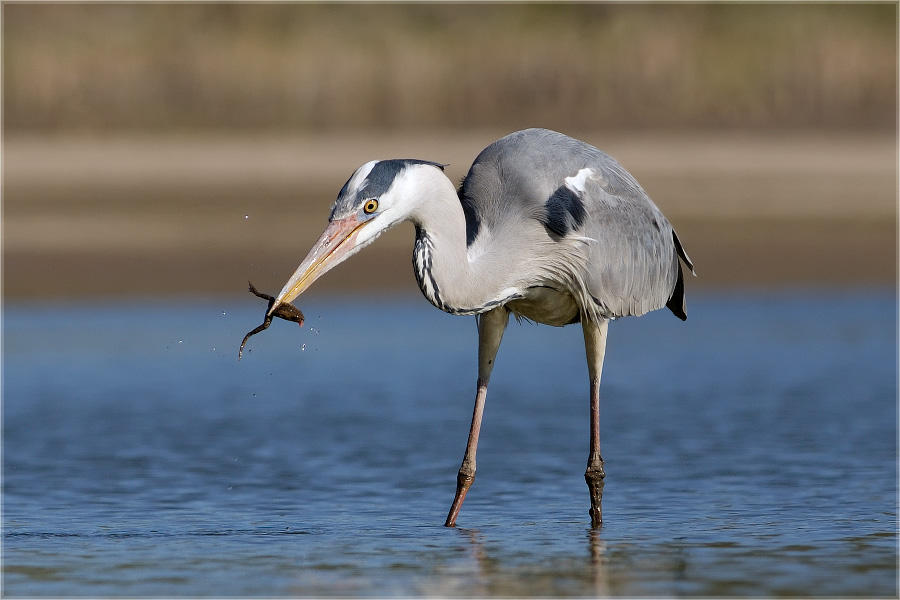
(491, 326)
(595, 347)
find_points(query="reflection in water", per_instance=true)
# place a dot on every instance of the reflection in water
(498, 575)
(598, 562)
(479, 558)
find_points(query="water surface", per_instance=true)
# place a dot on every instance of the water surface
(749, 451)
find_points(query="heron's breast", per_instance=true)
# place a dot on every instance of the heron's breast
(547, 305)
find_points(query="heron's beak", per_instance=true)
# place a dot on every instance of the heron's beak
(331, 249)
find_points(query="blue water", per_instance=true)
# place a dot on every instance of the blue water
(749, 451)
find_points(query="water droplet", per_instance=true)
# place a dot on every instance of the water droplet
(303, 348)
(246, 216)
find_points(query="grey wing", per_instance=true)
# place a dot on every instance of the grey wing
(628, 252)
(513, 178)
(633, 254)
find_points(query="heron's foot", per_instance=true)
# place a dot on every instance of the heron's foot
(463, 482)
(594, 478)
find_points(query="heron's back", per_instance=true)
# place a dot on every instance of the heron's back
(561, 205)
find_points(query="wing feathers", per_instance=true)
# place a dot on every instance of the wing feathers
(611, 247)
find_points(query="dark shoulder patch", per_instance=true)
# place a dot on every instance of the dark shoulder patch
(564, 211)
(473, 221)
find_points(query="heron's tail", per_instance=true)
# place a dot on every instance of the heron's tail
(676, 301)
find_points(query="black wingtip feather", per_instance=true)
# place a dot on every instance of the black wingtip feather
(676, 302)
(682, 254)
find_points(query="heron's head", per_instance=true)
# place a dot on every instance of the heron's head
(379, 195)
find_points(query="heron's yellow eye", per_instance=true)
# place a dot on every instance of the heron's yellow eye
(370, 206)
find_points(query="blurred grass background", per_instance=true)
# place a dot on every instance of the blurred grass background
(182, 148)
(301, 67)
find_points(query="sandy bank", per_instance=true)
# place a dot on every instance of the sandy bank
(202, 214)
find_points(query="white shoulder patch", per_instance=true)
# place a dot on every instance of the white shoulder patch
(577, 182)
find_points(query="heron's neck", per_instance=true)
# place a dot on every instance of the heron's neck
(452, 278)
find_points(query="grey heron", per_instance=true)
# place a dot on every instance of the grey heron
(545, 227)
